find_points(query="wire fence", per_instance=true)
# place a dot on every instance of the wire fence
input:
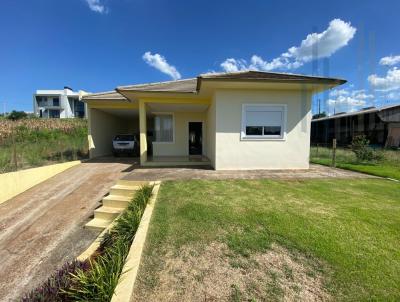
(343, 153)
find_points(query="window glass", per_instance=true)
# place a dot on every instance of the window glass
(272, 130)
(163, 128)
(264, 121)
(56, 101)
(253, 130)
(124, 137)
(54, 113)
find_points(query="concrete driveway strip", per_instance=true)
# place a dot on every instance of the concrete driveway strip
(42, 228)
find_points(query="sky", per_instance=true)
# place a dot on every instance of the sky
(97, 45)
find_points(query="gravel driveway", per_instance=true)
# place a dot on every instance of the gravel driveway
(42, 228)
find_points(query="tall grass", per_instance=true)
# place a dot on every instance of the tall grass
(388, 166)
(36, 142)
(99, 282)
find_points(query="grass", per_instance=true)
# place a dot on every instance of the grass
(345, 159)
(350, 227)
(38, 142)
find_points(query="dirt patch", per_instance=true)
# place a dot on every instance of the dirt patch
(212, 273)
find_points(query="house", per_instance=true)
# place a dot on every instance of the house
(380, 125)
(242, 120)
(58, 104)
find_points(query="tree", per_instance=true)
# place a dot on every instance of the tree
(17, 115)
(319, 115)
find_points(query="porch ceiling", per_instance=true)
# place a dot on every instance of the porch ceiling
(157, 107)
(124, 113)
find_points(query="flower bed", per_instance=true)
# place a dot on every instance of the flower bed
(96, 278)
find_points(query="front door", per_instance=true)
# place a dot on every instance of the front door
(195, 138)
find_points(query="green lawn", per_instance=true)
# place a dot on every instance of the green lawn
(345, 159)
(348, 229)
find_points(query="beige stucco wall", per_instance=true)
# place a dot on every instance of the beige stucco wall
(211, 135)
(103, 127)
(180, 146)
(14, 183)
(234, 153)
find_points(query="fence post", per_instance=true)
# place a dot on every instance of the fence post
(334, 153)
(14, 148)
(317, 150)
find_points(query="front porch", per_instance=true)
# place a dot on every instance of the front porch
(177, 161)
(172, 132)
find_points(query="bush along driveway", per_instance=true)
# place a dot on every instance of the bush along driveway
(96, 278)
(273, 240)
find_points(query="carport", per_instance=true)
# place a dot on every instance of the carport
(109, 114)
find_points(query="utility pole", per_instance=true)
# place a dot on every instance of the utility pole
(4, 108)
(319, 107)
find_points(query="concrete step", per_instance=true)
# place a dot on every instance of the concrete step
(97, 224)
(116, 201)
(125, 182)
(123, 190)
(107, 213)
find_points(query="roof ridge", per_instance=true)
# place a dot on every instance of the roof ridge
(155, 83)
(103, 92)
(268, 72)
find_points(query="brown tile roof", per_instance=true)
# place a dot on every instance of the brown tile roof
(185, 86)
(108, 95)
(192, 85)
(270, 76)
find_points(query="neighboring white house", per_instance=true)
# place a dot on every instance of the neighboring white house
(58, 104)
(242, 120)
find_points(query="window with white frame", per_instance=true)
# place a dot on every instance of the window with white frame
(164, 128)
(262, 121)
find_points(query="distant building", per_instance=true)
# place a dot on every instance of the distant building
(58, 104)
(380, 125)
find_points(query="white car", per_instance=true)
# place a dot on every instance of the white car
(124, 143)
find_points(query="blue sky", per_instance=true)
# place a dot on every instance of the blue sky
(96, 45)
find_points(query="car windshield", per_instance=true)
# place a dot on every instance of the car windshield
(124, 137)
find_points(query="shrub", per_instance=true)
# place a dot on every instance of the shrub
(360, 147)
(96, 279)
(17, 115)
(53, 289)
(99, 282)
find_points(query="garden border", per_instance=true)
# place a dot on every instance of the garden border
(126, 284)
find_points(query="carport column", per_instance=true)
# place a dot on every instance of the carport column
(143, 131)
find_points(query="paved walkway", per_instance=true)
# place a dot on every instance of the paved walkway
(42, 228)
(315, 171)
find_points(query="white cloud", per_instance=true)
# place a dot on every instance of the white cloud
(392, 96)
(314, 46)
(390, 60)
(344, 100)
(387, 83)
(233, 65)
(159, 62)
(96, 6)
